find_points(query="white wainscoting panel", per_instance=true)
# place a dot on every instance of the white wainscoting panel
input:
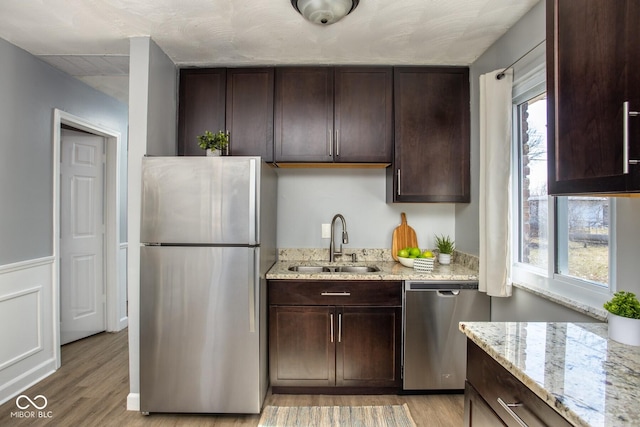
(26, 330)
(22, 311)
(123, 315)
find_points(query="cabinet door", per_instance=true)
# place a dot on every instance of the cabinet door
(476, 411)
(304, 114)
(431, 161)
(590, 75)
(201, 107)
(302, 345)
(363, 114)
(249, 112)
(368, 346)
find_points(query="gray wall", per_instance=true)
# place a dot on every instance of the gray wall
(524, 306)
(308, 198)
(30, 91)
(523, 36)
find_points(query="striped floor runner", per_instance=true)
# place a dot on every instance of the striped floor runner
(334, 416)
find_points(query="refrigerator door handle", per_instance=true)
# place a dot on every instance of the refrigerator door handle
(253, 202)
(253, 292)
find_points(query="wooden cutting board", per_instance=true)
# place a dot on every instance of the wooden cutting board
(403, 236)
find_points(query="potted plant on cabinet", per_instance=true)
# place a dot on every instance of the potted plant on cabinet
(215, 143)
(624, 318)
(445, 247)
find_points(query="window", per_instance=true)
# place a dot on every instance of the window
(564, 239)
(533, 208)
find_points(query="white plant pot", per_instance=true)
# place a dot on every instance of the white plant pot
(624, 329)
(444, 258)
(213, 153)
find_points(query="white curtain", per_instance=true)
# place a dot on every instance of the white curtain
(495, 178)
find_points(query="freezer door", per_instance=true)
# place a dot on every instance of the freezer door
(200, 200)
(199, 330)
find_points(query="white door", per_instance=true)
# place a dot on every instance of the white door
(82, 287)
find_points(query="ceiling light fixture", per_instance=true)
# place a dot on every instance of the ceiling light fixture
(324, 12)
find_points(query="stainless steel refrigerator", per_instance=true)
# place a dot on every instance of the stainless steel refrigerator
(209, 236)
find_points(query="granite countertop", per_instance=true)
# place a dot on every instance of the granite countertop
(389, 270)
(587, 378)
(464, 266)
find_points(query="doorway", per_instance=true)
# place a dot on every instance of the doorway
(82, 290)
(79, 189)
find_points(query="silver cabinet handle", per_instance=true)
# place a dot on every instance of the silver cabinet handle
(507, 407)
(625, 137)
(336, 294)
(340, 327)
(331, 320)
(338, 142)
(330, 142)
(398, 182)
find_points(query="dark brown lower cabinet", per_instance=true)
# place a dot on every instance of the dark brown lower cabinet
(333, 348)
(494, 397)
(477, 413)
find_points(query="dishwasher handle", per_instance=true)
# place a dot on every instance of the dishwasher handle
(440, 285)
(447, 293)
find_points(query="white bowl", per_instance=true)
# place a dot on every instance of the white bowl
(407, 262)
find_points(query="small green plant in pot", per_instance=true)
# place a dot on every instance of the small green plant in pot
(624, 318)
(216, 143)
(445, 247)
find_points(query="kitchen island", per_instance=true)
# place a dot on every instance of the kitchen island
(585, 377)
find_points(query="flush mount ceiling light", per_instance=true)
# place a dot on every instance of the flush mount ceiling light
(324, 12)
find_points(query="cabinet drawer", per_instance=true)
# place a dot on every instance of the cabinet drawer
(493, 382)
(326, 292)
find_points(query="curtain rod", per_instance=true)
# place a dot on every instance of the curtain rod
(500, 75)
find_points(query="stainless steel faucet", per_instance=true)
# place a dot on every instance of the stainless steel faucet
(345, 238)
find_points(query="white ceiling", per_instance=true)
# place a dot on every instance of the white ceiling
(90, 38)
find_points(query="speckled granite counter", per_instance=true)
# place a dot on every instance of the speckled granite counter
(389, 270)
(588, 379)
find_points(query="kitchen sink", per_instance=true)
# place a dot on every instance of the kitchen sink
(307, 269)
(334, 268)
(356, 269)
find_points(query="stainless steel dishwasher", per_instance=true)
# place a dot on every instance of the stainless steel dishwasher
(435, 351)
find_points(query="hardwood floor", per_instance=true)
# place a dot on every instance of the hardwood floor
(91, 388)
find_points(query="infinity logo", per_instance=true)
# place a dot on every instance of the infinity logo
(22, 398)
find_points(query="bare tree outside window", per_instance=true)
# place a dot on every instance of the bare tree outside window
(534, 210)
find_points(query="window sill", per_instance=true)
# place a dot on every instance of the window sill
(587, 308)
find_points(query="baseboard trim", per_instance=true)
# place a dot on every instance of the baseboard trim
(26, 380)
(123, 323)
(133, 402)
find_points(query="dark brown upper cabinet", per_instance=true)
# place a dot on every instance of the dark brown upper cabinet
(593, 75)
(333, 114)
(237, 100)
(363, 114)
(201, 107)
(249, 112)
(431, 161)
